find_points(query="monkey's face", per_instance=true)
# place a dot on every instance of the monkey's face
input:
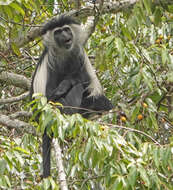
(63, 37)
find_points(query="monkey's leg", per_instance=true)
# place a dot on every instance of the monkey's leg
(98, 104)
(46, 148)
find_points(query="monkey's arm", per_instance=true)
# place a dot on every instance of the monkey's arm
(72, 100)
(69, 93)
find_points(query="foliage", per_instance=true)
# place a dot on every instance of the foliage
(134, 56)
(19, 161)
(137, 66)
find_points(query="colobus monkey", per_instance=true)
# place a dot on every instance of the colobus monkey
(65, 74)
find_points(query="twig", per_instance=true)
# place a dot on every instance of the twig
(5, 57)
(130, 129)
(17, 23)
(90, 178)
(31, 57)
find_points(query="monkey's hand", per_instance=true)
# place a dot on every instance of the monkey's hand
(72, 100)
(61, 90)
(74, 96)
(69, 93)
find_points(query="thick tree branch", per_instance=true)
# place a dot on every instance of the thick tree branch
(16, 124)
(15, 79)
(90, 27)
(14, 99)
(59, 164)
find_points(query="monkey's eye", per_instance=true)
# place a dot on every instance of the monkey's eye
(58, 31)
(66, 29)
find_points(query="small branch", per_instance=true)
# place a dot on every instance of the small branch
(130, 129)
(16, 124)
(14, 99)
(30, 36)
(30, 56)
(15, 79)
(90, 178)
(17, 23)
(4, 56)
(59, 164)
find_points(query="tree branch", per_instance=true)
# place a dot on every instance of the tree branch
(30, 36)
(59, 164)
(90, 27)
(15, 79)
(20, 114)
(14, 99)
(16, 124)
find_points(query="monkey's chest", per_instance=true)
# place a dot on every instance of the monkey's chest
(73, 74)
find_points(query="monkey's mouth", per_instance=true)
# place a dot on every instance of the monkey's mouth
(68, 43)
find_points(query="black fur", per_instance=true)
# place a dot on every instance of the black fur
(67, 82)
(61, 21)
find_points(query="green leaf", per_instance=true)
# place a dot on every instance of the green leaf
(15, 49)
(7, 181)
(43, 101)
(165, 154)
(157, 16)
(165, 57)
(19, 157)
(3, 164)
(144, 175)
(87, 152)
(170, 76)
(8, 11)
(147, 4)
(46, 183)
(21, 150)
(118, 185)
(120, 47)
(147, 79)
(156, 157)
(126, 32)
(146, 55)
(152, 105)
(17, 8)
(109, 40)
(138, 79)
(135, 112)
(170, 7)
(154, 121)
